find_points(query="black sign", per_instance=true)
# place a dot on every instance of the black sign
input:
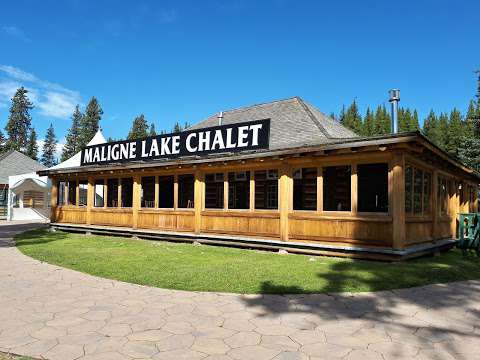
(250, 135)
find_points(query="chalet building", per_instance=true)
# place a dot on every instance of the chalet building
(280, 175)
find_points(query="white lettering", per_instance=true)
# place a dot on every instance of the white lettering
(96, 155)
(87, 155)
(242, 136)
(189, 145)
(154, 148)
(164, 146)
(144, 145)
(132, 154)
(175, 144)
(204, 141)
(103, 157)
(255, 129)
(218, 140)
(230, 145)
(115, 153)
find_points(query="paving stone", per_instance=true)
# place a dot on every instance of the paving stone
(210, 346)
(149, 335)
(363, 355)
(179, 355)
(243, 339)
(275, 330)
(64, 352)
(48, 332)
(113, 355)
(253, 353)
(325, 351)
(107, 344)
(139, 349)
(175, 342)
(115, 330)
(178, 327)
(238, 325)
(291, 355)
(394, 350)
(279, 342)
(35, 349)
(304, 337)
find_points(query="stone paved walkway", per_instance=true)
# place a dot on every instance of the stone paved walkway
(54, 313)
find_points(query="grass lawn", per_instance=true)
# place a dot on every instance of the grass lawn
(211, 268)
(4, 356)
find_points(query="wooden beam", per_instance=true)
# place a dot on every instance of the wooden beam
(397, 196)
(435, 205)
(90, 199)
(175, 191)
(225, 190)
(77, 192)
(157, 192)
(137, 184)
(119, 192)
(252, 190)
(354, 190)
(285, 179)
(198, 200)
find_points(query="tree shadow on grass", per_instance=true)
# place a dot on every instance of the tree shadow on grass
(39, 237)
(436, 313)
(9, 230)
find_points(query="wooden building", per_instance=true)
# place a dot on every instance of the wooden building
(315, 188)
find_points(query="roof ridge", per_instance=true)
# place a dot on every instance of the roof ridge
(259, 104)
(6, 153)
(312, 116)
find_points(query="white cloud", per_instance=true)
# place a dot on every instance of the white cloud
(15, 32)
(51, 99)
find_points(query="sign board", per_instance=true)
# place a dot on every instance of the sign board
(251, 135)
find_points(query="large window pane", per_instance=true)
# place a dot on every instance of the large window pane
(99, 193)
(127, 192)
(427, 180)
(72, 193)
(239, 190)
(112, 190)
(417, 191)
(148, 192)
(186, 191)
(408, 188)
(337, 188)
(82, 192)
(266, 189)
(165, 184)
(372, 187)
(305, 189)
(214, 191)
(442, 194)
(61, 195)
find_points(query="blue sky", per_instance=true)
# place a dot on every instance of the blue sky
(185, 60)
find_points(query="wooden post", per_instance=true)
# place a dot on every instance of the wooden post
(105, 193)
(136, 199)
(397, 196)
(435, 205)
(225, 190)
(119, 193)
(284, 197)
(77, 192)
(53, 200)
(252, 190)
(90, 198)
(175, 191)
(157, 192)
(354, 190)
(319, 189)
(453, 205)
(197, 200)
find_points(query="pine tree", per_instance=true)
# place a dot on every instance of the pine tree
(443, 130)
(431, 128)
(470, 120)
(177, 128)
(139, 128)
(49, 148)
(382, 121)
(405, 120)
(353, 119)
(152, 131)
(73, 137)
(469, 152)
(19, 120)
(90, 122)
(369, 124)
(32, 146)
(341, 116)
(414, 125)
(455, 133)
(2, 142)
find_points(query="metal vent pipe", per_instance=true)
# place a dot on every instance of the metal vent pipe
(394, 99)
(220, 118)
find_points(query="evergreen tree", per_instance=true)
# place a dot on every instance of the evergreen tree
(177, 127)
(431, 128)
(333, 116)
(414, 125)
(73, 137)
(382, 121)
(469, 152)
(2, 142)
(341, 116)
(369, 124)
(49, 148)
(443, 130)
(406, 121)
(454, 133)
(470, 120)
(90, 122)
(152, 131)
(19, 120)
(32, 146)
(139, 128)
(353, 119)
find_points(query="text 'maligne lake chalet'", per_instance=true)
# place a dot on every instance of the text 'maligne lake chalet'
(279, 175)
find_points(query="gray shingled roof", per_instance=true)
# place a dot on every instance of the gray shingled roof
(293, 123)
(14, 162)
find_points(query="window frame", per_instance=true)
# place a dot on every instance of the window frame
(414, 169)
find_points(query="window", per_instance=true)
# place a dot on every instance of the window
(72, 193)
(305, 189)
(61, 187)
(239, 190)
(148, 192)
(372, 187)
(185, 191)
(214, 191)
(99, 193)
(443, 185)
(112, 190)
(266, 189)
(82, 192)
(337, 188)
(33, 199)
(417, 191)
(127, 192)
(165, 184)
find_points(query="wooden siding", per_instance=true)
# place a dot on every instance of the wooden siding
(111, 216)
(166, 220)
(70, 214)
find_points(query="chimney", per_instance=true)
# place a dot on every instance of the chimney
(394, 99)
(220, 118)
